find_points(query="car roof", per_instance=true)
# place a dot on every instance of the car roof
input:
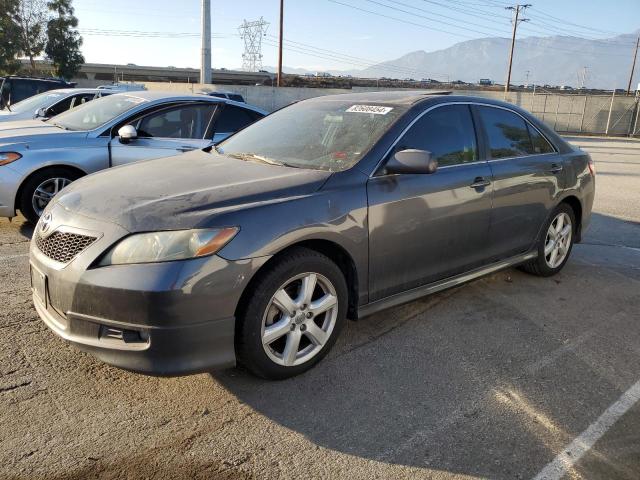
(156, 95)
(39, 79)
(73, 90)
(394, 97)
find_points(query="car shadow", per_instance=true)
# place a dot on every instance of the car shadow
(456, 382)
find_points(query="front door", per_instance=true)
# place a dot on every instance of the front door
(165, 133)
(426, 227)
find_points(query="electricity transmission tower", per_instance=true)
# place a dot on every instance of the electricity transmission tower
(252, 34)
(517, 9)
(582, 77)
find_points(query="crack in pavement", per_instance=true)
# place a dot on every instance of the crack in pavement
(15, 386)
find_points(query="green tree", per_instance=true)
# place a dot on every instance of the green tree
(9, 37)
(63, 40)
(31, 17)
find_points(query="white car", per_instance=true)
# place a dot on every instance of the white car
(51, 103)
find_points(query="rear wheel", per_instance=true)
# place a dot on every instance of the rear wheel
(554, 246)
(292, 316)
(41, 187)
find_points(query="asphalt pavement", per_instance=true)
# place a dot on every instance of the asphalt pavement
(510, 376)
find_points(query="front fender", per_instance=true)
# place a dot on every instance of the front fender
(337, 215)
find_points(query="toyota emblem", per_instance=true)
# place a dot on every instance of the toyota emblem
(45, 223)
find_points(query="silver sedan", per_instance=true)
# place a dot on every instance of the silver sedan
(51, 103)
(38, 159)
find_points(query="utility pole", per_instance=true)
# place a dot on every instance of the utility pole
(205, 52)
(527, 73)
(280, 44)
(633, 66)
(516, 10)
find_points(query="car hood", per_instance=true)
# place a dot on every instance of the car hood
(35, 134)
(27, 127)
(185, 191)
(6, 116)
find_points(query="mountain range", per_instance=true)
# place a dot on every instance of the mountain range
(554, 60)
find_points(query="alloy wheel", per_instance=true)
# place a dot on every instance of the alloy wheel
(558, 240)
(46, 191)
(299, 319)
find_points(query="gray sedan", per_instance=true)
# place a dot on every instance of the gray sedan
(257, 251)
(38, 159)
(49, 104)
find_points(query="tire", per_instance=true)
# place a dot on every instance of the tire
(46, 178)
(546, 265)
(277, 359)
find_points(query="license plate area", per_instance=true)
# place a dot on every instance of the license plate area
(39, 284)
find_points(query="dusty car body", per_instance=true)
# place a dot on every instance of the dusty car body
(344, 215)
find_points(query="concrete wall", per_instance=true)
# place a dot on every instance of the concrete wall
(565, 113)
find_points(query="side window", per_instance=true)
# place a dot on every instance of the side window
(447, 132)
(21, 89)
(185, 121)
(233, 119)
(82, 99)
(540, 144)
(507, 132)
(61, 106)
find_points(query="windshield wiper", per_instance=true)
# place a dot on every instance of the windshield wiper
(253, 156)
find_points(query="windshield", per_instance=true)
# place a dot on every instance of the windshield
(96, 113)
(328, 135)
(32, 104)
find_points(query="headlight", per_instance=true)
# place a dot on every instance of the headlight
(8, 157)
(169, 245)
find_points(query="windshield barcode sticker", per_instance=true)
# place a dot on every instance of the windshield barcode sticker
(369, 109)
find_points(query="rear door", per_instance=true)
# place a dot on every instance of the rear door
(165, 133)
(426, 227)
(527, 178)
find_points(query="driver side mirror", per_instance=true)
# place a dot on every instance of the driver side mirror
(41, 113)
(127, 133)
(412, 161)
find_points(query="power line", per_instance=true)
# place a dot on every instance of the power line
(432, 19)
(421, 25)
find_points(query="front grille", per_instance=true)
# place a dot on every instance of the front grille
(63, 246)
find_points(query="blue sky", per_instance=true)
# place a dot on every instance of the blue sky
(351, 38)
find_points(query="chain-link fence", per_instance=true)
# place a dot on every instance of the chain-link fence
(615, 114)
(565, 113)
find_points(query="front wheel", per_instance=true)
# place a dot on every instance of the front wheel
(40, 188)
(555, 244)
(292, 315)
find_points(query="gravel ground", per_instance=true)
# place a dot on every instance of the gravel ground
(492, 379)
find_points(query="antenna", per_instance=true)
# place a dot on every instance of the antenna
(252, 33)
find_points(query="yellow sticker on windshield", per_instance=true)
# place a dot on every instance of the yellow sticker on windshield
(369, 109)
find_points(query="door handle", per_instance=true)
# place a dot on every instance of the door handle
(480, 182)
(555, 168)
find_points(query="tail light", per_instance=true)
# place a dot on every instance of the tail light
(592, 167)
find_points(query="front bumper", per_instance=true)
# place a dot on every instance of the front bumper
(10, 181)
(168, 318)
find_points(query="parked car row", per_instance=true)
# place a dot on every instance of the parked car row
(40, 158)
(51, 103)
(257, 248)
(14, 89)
